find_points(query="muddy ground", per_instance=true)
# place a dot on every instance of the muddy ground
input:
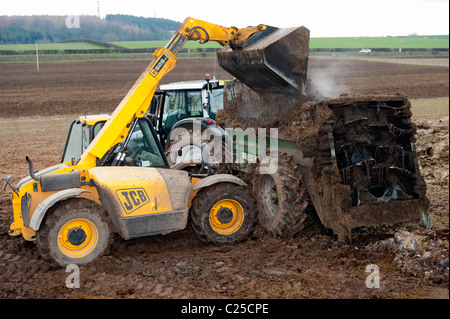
(36, 109)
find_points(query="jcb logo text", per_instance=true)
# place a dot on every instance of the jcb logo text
(132, 198)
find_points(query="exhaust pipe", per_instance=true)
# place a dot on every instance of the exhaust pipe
(55, 182)
(31, 167)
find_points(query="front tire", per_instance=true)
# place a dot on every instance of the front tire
(223, 213)
(76, 231)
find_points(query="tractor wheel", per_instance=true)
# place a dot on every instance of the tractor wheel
(184, 151)
(76, 231)
(191, 154)
(223, 213)
(281, 199)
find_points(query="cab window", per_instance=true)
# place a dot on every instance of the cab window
(174, 109)
(77, 141)
(215, 101)
(142, 148)
(97, 127)
(179, 105)
(194, 99)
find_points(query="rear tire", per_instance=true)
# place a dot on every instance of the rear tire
(282, 199)
(223, 213)
(75, 231)
(184, 150)
(194, 155)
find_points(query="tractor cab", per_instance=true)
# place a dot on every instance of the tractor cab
(179, 104)
(183, 103)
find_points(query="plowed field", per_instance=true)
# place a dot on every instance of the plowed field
(36, 109)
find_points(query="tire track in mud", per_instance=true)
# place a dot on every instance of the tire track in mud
(18, 258)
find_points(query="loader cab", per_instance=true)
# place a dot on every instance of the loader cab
(142, 148)
(182, 103)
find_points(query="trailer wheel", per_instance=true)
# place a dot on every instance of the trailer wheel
(281, 199)
(223, 213)
(76, 231)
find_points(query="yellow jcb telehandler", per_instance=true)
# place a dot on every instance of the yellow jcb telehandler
(122, 182)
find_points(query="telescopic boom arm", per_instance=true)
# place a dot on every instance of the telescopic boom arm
(136, 102)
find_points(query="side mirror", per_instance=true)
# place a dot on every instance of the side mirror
(6, 179)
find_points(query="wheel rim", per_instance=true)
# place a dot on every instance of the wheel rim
(226, 217)
(78, 238)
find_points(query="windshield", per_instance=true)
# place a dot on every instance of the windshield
(77, 142)
(179, 105)
(78, 139)
(142, 148)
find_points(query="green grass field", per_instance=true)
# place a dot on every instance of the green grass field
(409, 42)
(412, 42)
(51, 46)
(160, 44)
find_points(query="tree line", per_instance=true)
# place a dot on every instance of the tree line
(117, 27)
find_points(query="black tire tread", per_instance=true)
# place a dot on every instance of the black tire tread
(56, 213)
(293, 196)
(203, 202)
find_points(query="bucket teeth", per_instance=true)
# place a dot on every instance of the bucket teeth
(274, 59)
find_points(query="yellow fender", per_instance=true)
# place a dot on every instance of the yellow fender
(43, 207)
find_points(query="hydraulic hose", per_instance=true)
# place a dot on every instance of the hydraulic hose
(195, 30)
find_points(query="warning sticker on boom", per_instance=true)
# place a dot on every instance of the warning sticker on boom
(159, 65)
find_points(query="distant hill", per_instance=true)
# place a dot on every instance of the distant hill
(157, 24)
(117, 27)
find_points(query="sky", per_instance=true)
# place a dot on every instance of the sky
(324, 18)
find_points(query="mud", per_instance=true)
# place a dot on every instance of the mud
(244, 107)
(36, 111)
(274, 59)
(362, 149)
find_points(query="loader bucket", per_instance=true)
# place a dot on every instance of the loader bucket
(275, 59)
